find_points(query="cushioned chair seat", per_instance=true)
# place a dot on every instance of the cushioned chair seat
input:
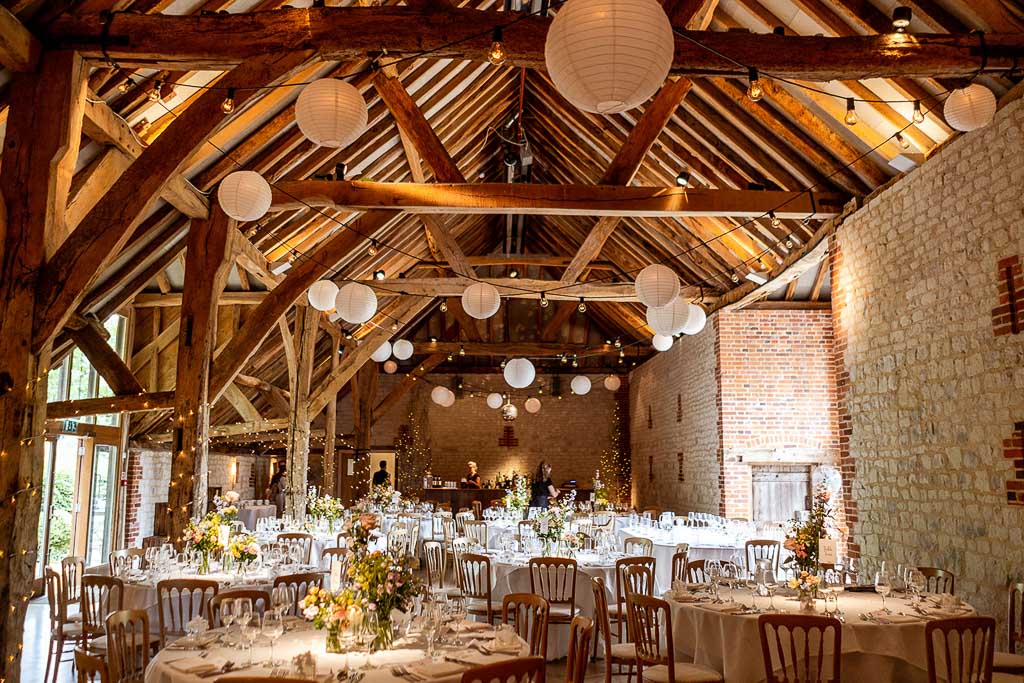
(624, 651)
(561, 614)
(1005, 662)
(71, 630)
(685, 673)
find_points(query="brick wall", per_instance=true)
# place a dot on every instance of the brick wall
(927, 391)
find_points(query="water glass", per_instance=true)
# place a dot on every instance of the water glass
(228, 610)
(273, 628)
(883, 586)
(250, 631)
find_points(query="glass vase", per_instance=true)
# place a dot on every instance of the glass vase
(384, 637)
(806, 601)
(204, 563)
(334, 641)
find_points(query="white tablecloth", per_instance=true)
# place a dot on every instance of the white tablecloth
(251, 514)
(703, 546)
(730, 643)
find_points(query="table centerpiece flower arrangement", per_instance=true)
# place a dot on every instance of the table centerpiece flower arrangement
(227, 506)
(552, 522)
(323, 507)
(243, 550)
(204, 536)
(331, 612)
(517, 498)
(359, 531)
(803, 536)
(806, 586)
(385, 586)
(601, 499)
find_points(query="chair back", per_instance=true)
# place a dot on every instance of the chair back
(603, 622)
(476, 532)
(581, 632)
(638, 547)
(478, 509)
(475, 577)
(71, 570)
(638, 578)
(621, 566)
(960, 650)
(300, 585)
(260, 603)
(460, 521)
(651, 627)
(520, 670)
(459, 546)
(398, 541)
(153, 541)
(437, 525)
(653, 513)
(330, 556)
(297, 538)
(938, 580)
(55, 598)
(341, 540)
(527, 528)
(101, 595)
(679, 562)
(695, 572)
(127, 645)
(434, 552)
(528, 615)
(91, 669)
(1014, 617)
(121, 561)
(762, 549)
(180, 601)
(554, 578)
(412, 527)
(800, 648)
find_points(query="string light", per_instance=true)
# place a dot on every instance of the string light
(372, 249)
(903, 141)
(462, 350)
(776, 221)
(497, 55)
(754, 91)
(582, 308)
(125, 85)
(155, 92)
(851, 112)
(228, 105)
(901, 18)
(918, 112)
(444, 307)
(543, 300)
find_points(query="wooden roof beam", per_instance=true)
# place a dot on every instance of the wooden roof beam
(514, 288)
(19, 49)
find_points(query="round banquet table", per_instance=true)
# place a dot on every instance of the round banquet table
(184, 666)
(893, 651)
(249, 515)
(703, 546)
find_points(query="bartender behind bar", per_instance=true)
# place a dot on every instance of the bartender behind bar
(472, 478)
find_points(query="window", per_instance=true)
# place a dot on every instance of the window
(75, 378)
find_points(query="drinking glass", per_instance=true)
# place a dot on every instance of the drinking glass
(458, 613)
(917, 583)
(831, 603)
(273, 628)
(770, 584)
(751, 585)
(883, 586)
(281, 599)
(371, 624)
(250, 631)
(714, 572)
(227, 615)
(243, 615)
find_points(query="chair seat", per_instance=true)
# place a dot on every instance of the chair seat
(615, 610)
(561, 614)
(476, 606)
(624, 651)
(1007, 678)
(685, 673)
(69, 631)
(1006, 662)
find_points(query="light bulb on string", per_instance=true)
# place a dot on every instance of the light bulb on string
(918, 112)
(462, 350)
(543, 301)
(582, 308)
(444, 307)
(754, 91)
(125, 85)
(903, 141)
(228, 105)
(497, 55)
(154, 93)
(776, 221)
(851, 112)
(372, 249)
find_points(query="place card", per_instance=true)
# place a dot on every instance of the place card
(828, 551)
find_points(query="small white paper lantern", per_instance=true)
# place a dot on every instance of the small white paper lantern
(607, 56)
(661, 342)
(391, 367)
(695, 320)
(532, 405)
(449, 400)
(670, 319)
(439, 395)
(355, 303)
(970, 108)
(402, 349)
(657, 286)
(382, 353)
(494, 400)
(321, 295)
(580, 385)
(519, 373)
(481, 300)
(612, 383)
(244, 195)
(331, 113)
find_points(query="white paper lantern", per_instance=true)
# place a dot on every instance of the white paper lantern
(321, 295)
(657, 286)
(391, 367)
(402, 349)
(449, 400)
(580, 385)
(695, 321)
(331, 113)
(670, 319)
(661, 342)
(612, 383)
(382, 353)
(244, 195)
(532, 405)
(519, 373)
(494, 400)
(439, 395)
(355, 303)
(607, 56)
(970, 108)
(481, 300)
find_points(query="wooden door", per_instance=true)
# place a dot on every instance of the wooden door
(779, 491)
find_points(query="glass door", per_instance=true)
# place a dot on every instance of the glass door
(101, 504)
(59, 501)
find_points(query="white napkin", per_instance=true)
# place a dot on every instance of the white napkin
(426, 672)
(725, 607)
(192, 665)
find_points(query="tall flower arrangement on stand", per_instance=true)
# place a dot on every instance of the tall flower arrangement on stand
(517, 498)
(359, 531)
(802, 539)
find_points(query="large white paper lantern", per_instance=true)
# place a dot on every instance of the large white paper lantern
(391, 367)
(519, 373)
(321, 295)
(532, 405)
(612, 383)
(580, 385)
(668, 320)
(402, 349)
(661, 342)
(481, 300)
(607, 56)
(494, 400)
(449, 399)
(356, 303)
(244, 195)
(695, 321)
(657, 286)
(970, 108)
(331, 113)
(439, 395)
(382, 353)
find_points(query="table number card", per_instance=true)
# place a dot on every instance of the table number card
(336, 576)
(828, 551)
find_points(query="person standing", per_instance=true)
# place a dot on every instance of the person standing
(277, 486)
(542, 491)
(472, 478)
(382, 476)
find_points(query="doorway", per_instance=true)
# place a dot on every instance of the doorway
(779, 491)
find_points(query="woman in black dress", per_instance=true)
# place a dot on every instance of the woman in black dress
(542, 490)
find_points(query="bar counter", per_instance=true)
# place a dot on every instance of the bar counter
(462, 498)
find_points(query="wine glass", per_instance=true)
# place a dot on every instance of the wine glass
(714, 572)
(831, 603)
(883, 586)
(281, 599)
(770, 584)
(250, 630)
(458, 611)
(273, 628)
(371, 625)
(751, 585)
(228, 610)
(243, 614)
(917, 583)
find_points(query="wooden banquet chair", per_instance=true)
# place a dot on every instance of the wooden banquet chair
(529, 617)
(476, 532)
(300, 585)
(650, 623)
(1010, 662)
(938, 580)
(695, 572)
(638, 547)
(617, 611)
(478, 510)
(526, 528)
(460, 521)
(62, 630)
(180, 601)
(260, 603)
(554, 579)
(412, 527)
(679, 562)
(101, 595)
(796, 647)
(328, 556)
(398, 541)
(433, 552)
(303, 540)
(519, 670)
(960, 650)
(91, 669)
(762, 549)
(615, 654)
(475, 583)
(125, 559)
(72, 568)
(128, 645)
(581, 631)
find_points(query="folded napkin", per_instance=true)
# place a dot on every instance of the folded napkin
(683, 597)
(725, 607)
(492, 647)
(192, 665)
(426, 672)
(943, 613)
(468, 626)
